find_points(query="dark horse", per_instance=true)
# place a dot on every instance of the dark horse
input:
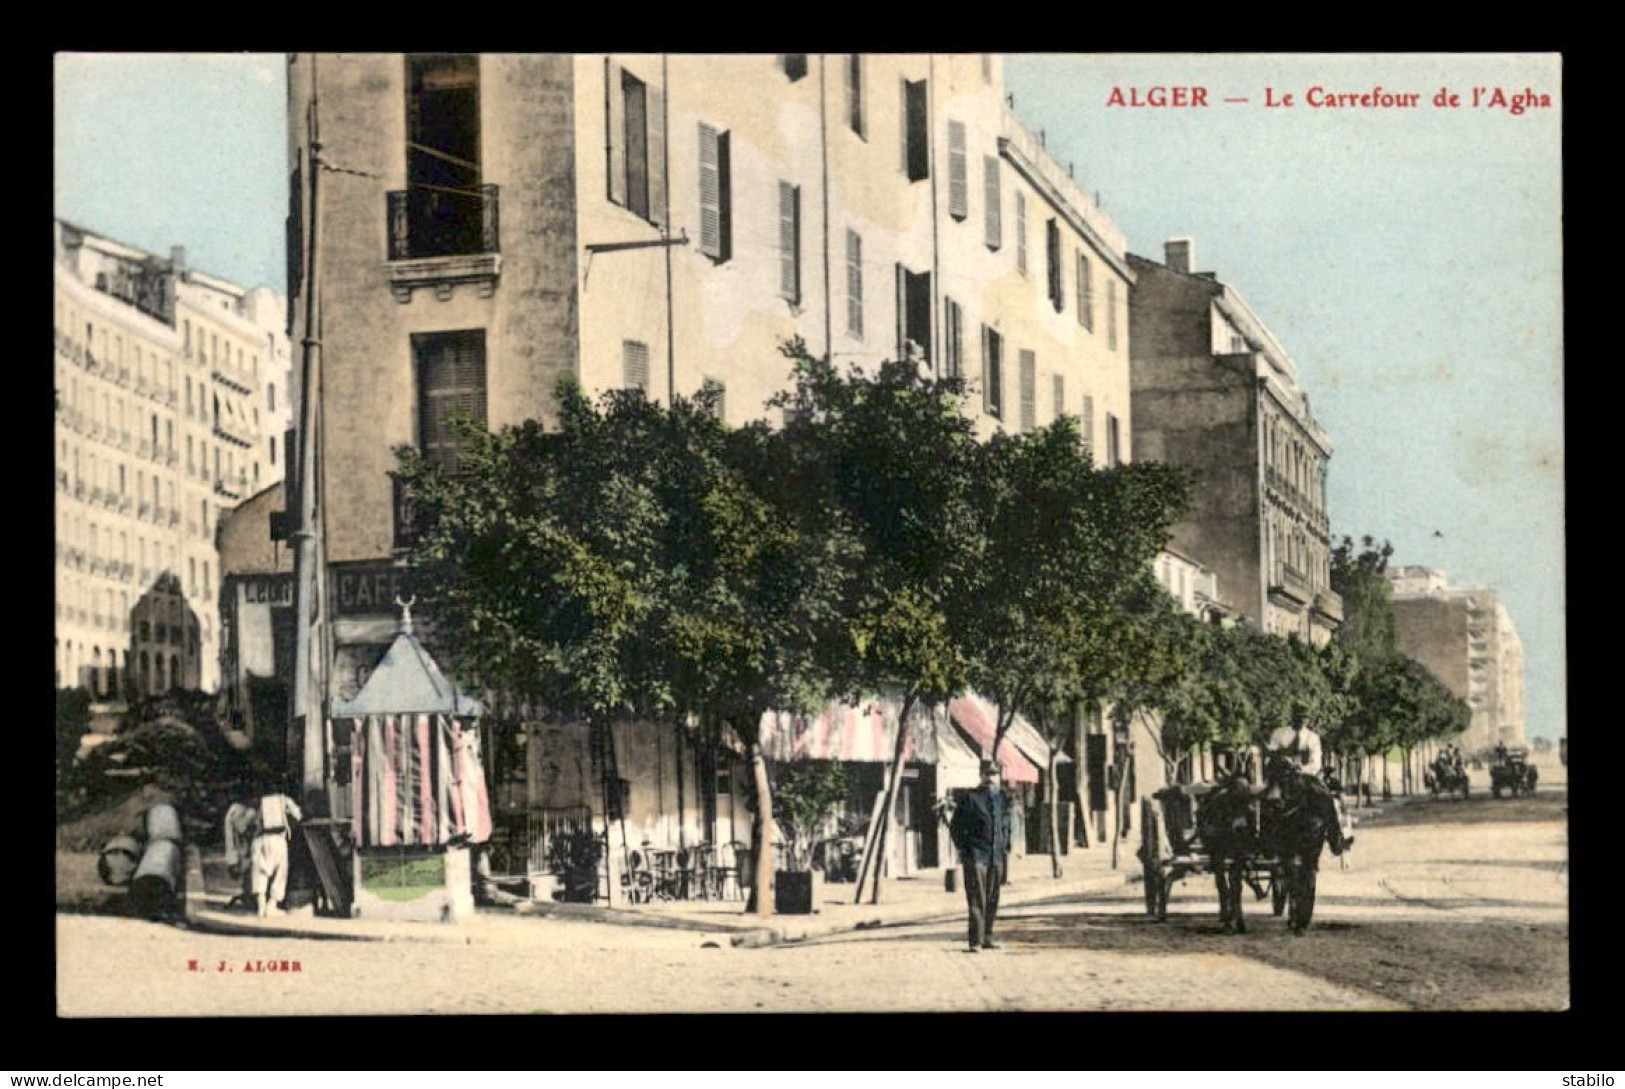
(1290, 830)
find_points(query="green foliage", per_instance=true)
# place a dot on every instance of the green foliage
(72, 720)
(806, 793)
(1368, 598)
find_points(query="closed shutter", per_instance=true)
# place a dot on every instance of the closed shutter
(902, 312)
(954, 335)
(958, 198)
(1087, 428)
(992, 372)
(1029, 390)
(1021, 232)
(636, 109)
(916, 130)
(854, 93)
(1111, 314)
(451, 384)
(657, 157)
(1086, 299)
(1052, 249)
(715, 225)
(790, 241)
(1059, 381)
(614, 132)
(854, 284)
(991, 196)
(635, 365)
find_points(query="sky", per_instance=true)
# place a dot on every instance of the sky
(1408, 259)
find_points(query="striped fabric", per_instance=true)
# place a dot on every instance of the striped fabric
(416, 781)
(841, 731)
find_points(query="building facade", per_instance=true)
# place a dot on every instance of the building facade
(1215, 394)
(491, 224)
(1467, 639)
(165, 378)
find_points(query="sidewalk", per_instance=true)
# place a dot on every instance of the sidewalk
(914, 899)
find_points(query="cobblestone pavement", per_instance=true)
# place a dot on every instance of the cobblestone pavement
(1444, 905)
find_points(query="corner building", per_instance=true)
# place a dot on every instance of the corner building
(494, 223)
(1215, 394)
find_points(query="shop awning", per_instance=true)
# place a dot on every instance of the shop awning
(977, 718)
(866, 731)
(958, 765)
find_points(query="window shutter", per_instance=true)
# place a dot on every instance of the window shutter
(451, 377)
(635, 365)
(993, 198)
(1086, 301)
(902, 312)
(790, 241)
(1113, 437)
(905, 128)
(1021, 232)
(916, 117)
(635, 105)
(1029, 390)
(958, 199)
(1059, 382)
(1111, 314)
(657, 157)
(710, 193)
(1088, 428)
(615, 132)
(992, 372)
(854, 94)
(954, 334)
(1052, 246)
(854, 283)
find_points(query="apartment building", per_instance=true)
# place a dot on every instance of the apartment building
(165, 383)
(1215, 394)
(1467, 639)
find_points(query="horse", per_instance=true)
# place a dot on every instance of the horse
(1297, 822)
(1225, 824)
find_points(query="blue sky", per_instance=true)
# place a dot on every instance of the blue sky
(1409, 260)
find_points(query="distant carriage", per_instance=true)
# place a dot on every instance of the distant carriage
(1442, 777)
(1513, 774)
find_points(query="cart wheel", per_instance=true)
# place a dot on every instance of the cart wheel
(1277, 892)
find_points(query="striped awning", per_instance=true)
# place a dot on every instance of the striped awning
(415, 780)
(840, 731)
(979, 721)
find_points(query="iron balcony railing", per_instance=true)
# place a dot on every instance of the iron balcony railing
(442, 222)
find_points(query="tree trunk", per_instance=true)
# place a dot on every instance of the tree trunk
(761, 829)
(1054, 815)
(874, 857)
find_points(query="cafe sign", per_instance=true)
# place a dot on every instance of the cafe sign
(369, 588)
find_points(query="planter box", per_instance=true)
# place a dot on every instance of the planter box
(792, 893)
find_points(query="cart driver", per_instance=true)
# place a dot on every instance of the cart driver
(1300, 744)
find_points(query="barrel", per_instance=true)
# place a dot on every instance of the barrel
(163, 822)
(118, 861)
(158, 879)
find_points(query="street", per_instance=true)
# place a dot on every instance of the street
(1445, 905)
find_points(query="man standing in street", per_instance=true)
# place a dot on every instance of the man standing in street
(981, 833)
(277, 812)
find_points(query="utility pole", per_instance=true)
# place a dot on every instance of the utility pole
(310, 665)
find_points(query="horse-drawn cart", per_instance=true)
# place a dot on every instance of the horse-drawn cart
(1268, 839)
(1171, 849)
(1512, 772)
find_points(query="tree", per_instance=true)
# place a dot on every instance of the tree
(806, 793)
(889, 463)
(72, 720)
(1368, 599)
(1068, 544)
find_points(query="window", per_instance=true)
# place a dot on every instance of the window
(717, 392)
(635, 365)
(451, 384)
(953, 339)
(916, 131)
(992, 372)
(445, 208)
(186, 337)
(790, 241)
(190, 462)
(854, 284)
(1058, 386)
(1052, 249)
(273, 451)
(1021, 232)
(270, 398)
(1111, 314)
(189, 397)
(913, 315)
(1086, 297)
(1087, 425)
(1113, 452)
(958, 198)
(1029, 390)
(855, 114)
(794, 65)
(635, 103)
(716, 198)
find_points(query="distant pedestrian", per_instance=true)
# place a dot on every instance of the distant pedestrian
(981, 832)
(241, 821)
(277, 812)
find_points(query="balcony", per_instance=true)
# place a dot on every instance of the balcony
(440, 238)
(1329, 605)
(1292, 587)
(221, 488)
